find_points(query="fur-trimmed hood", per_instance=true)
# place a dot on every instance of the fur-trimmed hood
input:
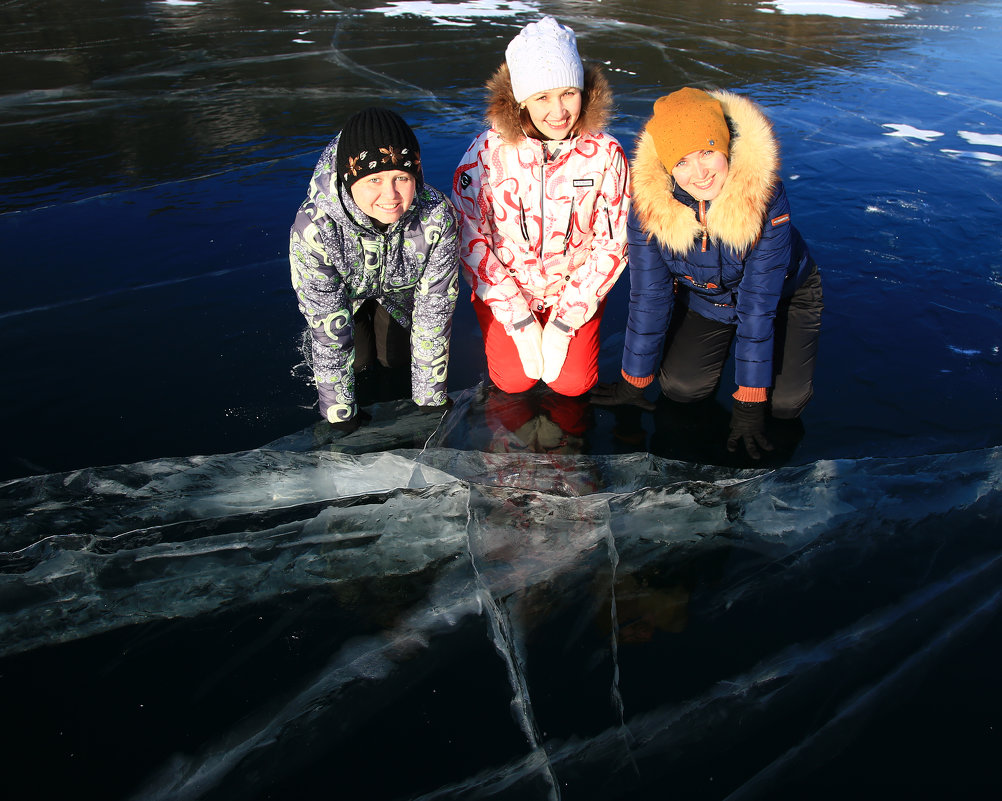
(736, 217)
(503, 110)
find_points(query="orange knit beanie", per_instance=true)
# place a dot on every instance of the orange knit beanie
(686, 121)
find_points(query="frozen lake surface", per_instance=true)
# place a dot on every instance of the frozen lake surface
(208, 595)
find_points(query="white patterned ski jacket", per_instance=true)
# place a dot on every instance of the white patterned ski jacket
(543, 222)
(339, 259)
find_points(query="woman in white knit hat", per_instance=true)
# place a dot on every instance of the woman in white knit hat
(543, 197)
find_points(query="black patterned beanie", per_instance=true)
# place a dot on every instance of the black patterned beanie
(373, 140)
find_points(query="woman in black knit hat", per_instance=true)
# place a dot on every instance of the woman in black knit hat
(374, 265)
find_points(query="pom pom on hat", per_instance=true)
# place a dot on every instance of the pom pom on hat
(543, 56)
(373, 140)
(686, 121)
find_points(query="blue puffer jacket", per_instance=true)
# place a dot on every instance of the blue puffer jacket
(729, 260)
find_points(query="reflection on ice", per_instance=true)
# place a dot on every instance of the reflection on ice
(629, 600)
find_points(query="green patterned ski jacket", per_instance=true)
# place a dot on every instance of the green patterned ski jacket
(339, 259)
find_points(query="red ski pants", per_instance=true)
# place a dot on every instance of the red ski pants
(580, 370)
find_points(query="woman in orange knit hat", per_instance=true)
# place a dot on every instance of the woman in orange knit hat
(714, 259)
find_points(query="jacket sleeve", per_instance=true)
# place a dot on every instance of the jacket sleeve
(325, 302)
(475, 202)
(758, 296)
(651, 301)
(592, 281)
(434, 304)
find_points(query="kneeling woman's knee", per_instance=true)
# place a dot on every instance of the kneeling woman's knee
(573, 386)
(512, 382)
(687, 389)
(787, 405)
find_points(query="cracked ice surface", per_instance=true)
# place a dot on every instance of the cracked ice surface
(440, 538)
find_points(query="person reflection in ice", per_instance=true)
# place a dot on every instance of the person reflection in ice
(544, 197)
(374, 265)
(715, 258)
(536, 422)
(535, 430)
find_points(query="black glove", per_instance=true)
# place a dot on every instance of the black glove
(748, 425)
(440, 409)
(621, 393)
(352, 424)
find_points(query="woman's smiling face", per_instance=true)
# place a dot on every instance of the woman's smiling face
(701, 173)
(555, 112)
(386, 195)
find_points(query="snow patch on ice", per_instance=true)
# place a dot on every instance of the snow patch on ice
(972, 138)
(836, 8)
(449, 13)
(180, 2)
(972, 154)
(910, 132)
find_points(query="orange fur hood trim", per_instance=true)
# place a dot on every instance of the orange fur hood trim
(736, 217)
(503, 110)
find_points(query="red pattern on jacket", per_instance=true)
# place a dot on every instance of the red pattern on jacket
(543, 223)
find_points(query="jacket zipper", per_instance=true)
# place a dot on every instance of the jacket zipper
(382, 262)
(542, 198)
(702, 222)
(701, 219)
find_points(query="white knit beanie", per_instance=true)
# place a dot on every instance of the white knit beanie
(543, 56)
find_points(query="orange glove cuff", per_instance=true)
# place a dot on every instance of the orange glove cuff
(751, 394)
(637, 382)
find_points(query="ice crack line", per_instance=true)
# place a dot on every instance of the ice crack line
(615, 695)
(504, 644)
